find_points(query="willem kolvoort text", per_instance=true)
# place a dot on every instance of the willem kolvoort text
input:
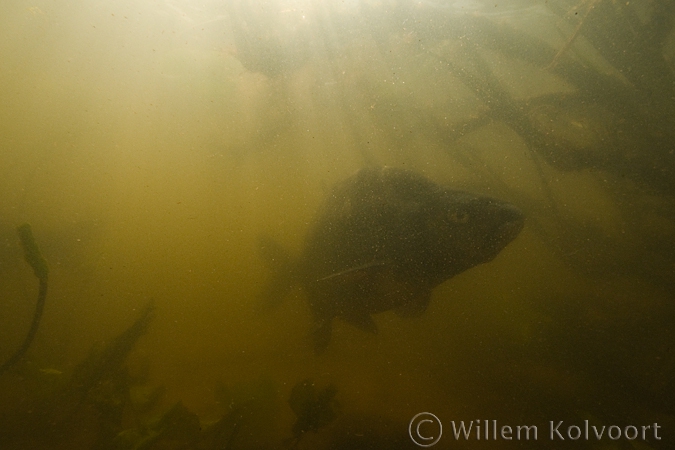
(556, 431)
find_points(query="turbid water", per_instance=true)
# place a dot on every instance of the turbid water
(150, 144)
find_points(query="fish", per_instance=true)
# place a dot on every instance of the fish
(382, 240)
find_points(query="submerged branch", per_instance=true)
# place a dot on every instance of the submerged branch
(37, 262)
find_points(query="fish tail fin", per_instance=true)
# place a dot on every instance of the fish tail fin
(284, 272)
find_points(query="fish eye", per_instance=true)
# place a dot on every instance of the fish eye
(459, 216)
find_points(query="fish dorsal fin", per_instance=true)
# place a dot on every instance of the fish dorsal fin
(357, 269)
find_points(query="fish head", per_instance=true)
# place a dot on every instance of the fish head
(466, 230)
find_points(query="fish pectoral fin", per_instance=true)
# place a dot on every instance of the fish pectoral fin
(415, 306)
(363, 322)
(357, 272)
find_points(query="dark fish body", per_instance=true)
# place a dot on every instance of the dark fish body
(384, 239)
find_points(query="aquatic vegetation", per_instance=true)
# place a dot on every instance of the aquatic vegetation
(314, 408)
(250, 413)
(176, 427)
(95, 395)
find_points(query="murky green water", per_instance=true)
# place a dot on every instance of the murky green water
(150, 144)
